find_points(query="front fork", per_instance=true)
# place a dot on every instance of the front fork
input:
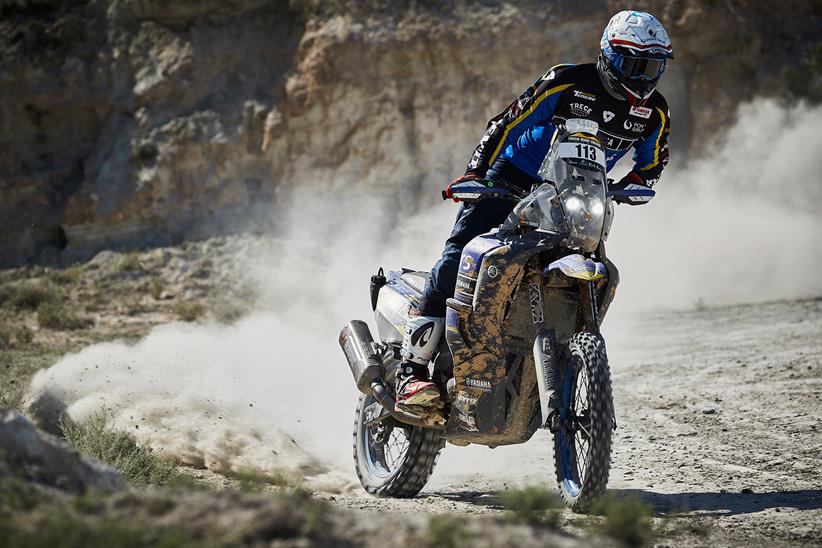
(546, 356)
(588, 303)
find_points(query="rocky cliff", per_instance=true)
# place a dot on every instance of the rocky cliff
(140, 122)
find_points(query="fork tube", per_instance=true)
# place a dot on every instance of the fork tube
(590, 315)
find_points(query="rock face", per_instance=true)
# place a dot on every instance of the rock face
(139, 122)
(40, 458)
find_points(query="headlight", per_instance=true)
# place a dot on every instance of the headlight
(574, 204)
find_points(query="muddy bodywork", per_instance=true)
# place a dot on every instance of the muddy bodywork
(490, 330)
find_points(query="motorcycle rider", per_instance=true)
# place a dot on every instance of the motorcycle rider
(618, 92)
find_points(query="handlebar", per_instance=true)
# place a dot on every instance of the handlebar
(631, 194)
(477, 190)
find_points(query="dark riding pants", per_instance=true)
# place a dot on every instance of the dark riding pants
(472, 220)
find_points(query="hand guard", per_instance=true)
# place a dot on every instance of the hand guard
(630, 190)
(471, 189)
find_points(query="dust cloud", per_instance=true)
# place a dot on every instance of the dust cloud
(272, 392)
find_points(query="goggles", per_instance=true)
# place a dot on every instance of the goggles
(643, 68)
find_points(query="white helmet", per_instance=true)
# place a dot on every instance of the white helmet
(634, 50)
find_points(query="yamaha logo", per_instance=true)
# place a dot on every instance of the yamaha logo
(482, 384)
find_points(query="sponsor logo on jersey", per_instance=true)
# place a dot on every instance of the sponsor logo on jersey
(642, 112)
(580, 109)
(633, 126)
(583, 95)
(616, 142)
(607, 115)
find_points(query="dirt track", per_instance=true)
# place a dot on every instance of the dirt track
(719, 412)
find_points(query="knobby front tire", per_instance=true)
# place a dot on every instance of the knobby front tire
(582, 445)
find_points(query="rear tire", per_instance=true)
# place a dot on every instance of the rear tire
(582, 445)
(393, 459)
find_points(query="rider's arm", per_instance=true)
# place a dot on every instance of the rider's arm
(651, 152)
(535, 106)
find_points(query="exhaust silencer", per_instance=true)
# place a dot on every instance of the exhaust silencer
(361, 353)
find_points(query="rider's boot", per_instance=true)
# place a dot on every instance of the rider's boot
(422, 337)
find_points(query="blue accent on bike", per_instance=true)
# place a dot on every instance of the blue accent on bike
(567, 453)
(632, 193)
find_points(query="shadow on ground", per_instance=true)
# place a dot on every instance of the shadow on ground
(727, 503)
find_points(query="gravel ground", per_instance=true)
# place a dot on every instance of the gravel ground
(719, 414)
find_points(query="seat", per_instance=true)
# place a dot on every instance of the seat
(416, 280)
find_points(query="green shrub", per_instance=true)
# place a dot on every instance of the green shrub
(189, 311)
(16, 494)
(627, 519)
(139, 464)
(446, 531)
(157, 287)
(70, 529)
(254, 481)
(12, 394)
(23, 334)
(534, 504)
(31, 295)
(129, 262)
(53, 315)
(10, 334)
(6, 294)
(229, 312)
(69, 276)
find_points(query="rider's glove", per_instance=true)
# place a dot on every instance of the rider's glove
(471, 189)
(631, 189)
(448, 193)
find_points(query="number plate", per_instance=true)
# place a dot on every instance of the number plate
(582, 151)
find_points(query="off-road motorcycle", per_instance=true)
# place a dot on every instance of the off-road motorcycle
(529, 301)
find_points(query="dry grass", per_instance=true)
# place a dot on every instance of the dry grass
(627, 519)
(29, 295)
(532, 505)
(60, 316)
(189, 311)
(139, 464)
(129, 262)
(447, 531)
(252, 481)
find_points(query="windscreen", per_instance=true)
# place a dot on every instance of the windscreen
(576, 166)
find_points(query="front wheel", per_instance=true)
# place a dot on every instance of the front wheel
(393, 459)
(582, 444)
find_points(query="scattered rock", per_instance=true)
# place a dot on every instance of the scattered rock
(45, 460)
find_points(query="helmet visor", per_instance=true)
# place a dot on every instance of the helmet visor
(643, 68)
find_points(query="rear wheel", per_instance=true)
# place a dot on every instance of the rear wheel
(582, 445)
(393, 459)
